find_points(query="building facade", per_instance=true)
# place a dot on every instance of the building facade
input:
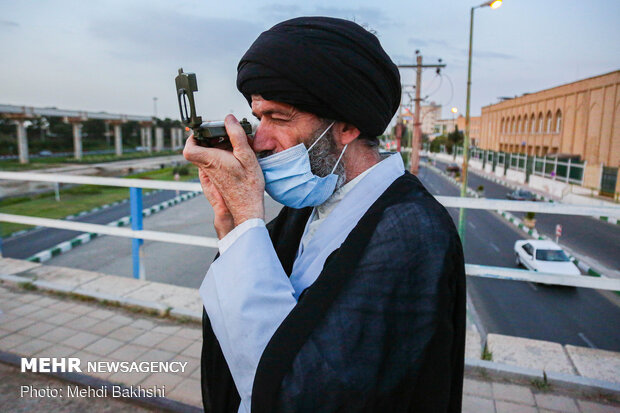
(576, 119)
(429, 115)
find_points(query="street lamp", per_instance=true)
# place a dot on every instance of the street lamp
(494, 4)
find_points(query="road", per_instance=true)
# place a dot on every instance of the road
(25, 245)
(592, 238)
(581, 317)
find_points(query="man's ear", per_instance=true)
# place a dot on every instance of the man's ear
(345, 133)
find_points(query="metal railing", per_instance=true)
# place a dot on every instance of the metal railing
(138, 233)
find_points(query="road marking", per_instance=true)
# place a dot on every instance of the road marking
(472, 225)
(494, 247)
(588, 342)
(533, 286)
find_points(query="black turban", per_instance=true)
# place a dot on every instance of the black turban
(330, 67)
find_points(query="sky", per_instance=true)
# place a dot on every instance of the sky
(116, 56)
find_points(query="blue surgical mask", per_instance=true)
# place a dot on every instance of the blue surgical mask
(290, 181)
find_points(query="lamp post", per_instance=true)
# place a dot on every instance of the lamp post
(494, 4)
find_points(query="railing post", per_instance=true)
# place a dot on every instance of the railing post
(137, 253)
(568, 171)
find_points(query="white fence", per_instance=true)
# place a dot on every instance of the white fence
(470, 203)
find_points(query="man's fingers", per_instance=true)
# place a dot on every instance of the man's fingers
(238, 138)
(201, 156)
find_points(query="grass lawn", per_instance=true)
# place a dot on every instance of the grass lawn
(52, 162)
(76, 199)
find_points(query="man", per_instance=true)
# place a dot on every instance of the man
(352, 299)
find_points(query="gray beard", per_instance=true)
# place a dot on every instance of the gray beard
(324, 156)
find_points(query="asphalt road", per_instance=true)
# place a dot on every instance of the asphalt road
(590, 237)
(25, 245)
(581, 317)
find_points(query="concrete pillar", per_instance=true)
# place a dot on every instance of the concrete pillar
(149, 140)
(77, 140)
(173, 138)
(22, 141)
(159, 139)
(143, 137)
(118, 139)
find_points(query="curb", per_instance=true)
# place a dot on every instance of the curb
(84, 238)
(538, 196)
(80, 214)
(519, 224)
(159, 403)
(583, 385)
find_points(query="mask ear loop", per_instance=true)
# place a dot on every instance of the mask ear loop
(322, 134)
(340, 157)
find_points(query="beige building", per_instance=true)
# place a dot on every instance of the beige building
(429, 115)
(577, 119)
(474, 128)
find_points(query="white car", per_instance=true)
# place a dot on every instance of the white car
(544, 256)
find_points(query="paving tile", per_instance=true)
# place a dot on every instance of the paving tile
(9, 303)
(188, 391)
(46, 301)
(131, 379)
(81, 309)
(25, 309)
(62, 305)
(31, 347)
(15, 339)
(27, 298)
(104, 327)
(103, 346)
(473, 404)
(149, 339)
(157, 355)
(509, 407)
(143, 324)
(62, 318)
(126, 333)
(166, 380)
(513, 393)
(195, 374)
(81, 340)
(85, 358)
(164, 329)
(4, 332)
(129, 352)
(191, 333)
(56, 351)
(37, 329)
(194, 350)
(192, 364)
(477, 388)
(554, 402)
(59, 334)
(121, 319)
(101, 314)
(174, 344)
(17, 324)
(42, 314)
(591, 407)
(84, 323)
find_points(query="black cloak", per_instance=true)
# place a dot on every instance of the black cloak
(381, 329)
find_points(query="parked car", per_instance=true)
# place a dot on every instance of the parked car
(544, 256)
(45, 153)
(521, 195)
(452, 167)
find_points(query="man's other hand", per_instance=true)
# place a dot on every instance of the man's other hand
(233, 182)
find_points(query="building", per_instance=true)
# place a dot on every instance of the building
(474, 128)
(580, 118)
(429, 115)
(446, 126)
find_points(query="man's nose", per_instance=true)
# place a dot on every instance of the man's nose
(263, 141)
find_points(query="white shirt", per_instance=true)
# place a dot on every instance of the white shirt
(246, 292)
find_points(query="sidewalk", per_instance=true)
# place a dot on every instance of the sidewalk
(34, 323)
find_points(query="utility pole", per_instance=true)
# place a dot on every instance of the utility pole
(417, 125)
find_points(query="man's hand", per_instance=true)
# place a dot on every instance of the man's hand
(233, 182)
